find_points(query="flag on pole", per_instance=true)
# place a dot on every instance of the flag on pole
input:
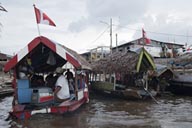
(146, 39)
(42, 18)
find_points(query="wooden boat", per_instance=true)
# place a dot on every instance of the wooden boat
(181, 84)
(31, 94)
(125, 75)
(131, 93)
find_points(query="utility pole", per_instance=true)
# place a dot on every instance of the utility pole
(111, 35)
(187, 35)
(116, 43)
(110, 25)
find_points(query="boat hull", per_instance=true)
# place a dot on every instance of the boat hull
(20, 112)
(180, 87)
(106, 88)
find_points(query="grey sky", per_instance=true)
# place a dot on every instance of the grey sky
(79, 22)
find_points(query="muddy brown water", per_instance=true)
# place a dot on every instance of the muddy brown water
(101, 112)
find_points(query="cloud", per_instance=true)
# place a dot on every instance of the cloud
(78, 21)
(78, 26)
(154, 16)
(129, 10)
(126, 12)
(171, 27)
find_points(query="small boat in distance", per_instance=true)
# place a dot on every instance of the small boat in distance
(34, 94)
(127, 75)
(181, 84)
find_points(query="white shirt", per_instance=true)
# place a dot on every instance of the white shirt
(64, 91)
(23, 72)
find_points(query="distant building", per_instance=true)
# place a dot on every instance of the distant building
(155, 48)
(3, 60)
(158, 49)
(96, 53)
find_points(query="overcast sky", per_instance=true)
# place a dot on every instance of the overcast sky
(83, 24)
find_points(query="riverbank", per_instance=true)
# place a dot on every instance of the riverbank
(5, 84)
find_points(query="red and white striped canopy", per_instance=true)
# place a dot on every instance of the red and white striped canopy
(55, 47)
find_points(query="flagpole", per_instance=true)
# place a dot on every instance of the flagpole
(143, 37)
(36, 21)
(38, 29)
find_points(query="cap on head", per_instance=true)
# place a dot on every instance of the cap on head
(59, 70)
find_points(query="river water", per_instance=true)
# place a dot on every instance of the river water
(102, 112)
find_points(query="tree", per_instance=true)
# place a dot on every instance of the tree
(2, 8)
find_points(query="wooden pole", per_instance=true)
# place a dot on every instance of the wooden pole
(114, 87)
(76, 86)
(116, 43)
(111, 35)
(36, 21)
(143, 38)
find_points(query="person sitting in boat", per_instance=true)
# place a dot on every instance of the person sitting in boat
(153, 80)
(25, 70)
(69, 76)
(81, 80)
(37, 81)
(61, 91)
(50, 80)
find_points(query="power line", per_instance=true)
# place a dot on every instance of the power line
(100, 34)
(125, 27)
(167, 34)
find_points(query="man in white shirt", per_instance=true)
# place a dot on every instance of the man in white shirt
(61, 87)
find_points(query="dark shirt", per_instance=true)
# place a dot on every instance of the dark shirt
(69, 75)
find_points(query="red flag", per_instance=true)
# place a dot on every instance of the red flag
(147, 40)
(42, 18)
